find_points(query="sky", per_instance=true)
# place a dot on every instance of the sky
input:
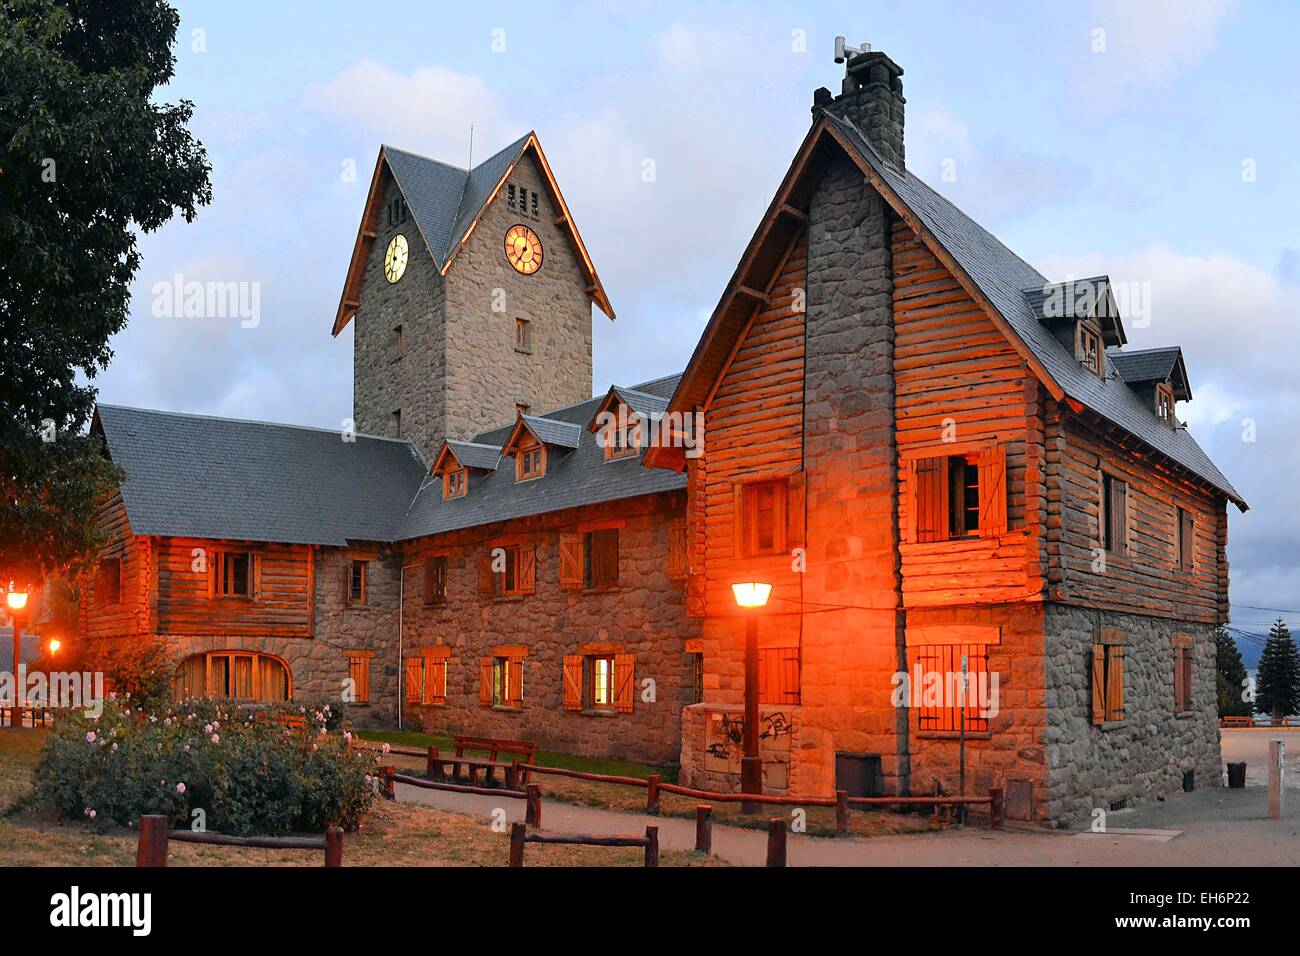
(1152, 140)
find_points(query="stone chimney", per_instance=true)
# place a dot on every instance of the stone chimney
(872, 98)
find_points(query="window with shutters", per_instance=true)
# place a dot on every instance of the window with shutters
(1114, 514)
(778, 675)
(108, 582)
(676, 567)
(508, 570)
(455, 482)
(762, 518)
(356, 584)
(426, 677)
(599, 682)
(1088, 348)
(602, 681)
(233, 574)
(600, 558)
(359, 675)
(1185, 533)
(501, 681)
(950, 710)
(1108, 677)
(435, 580)
(958, 496)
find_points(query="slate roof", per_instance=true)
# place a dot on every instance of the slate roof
(552, 431)
(1146, 365)
(646, 404)
(204, 477)
(1002, 277)
(575, 477)
(474, 455)
(445, 199)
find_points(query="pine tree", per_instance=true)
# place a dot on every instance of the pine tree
(1277, 685)
(1230, 676)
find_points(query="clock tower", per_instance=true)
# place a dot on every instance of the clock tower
(470, 295)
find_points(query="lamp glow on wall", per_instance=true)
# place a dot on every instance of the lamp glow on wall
(751, 596)
(17, 600)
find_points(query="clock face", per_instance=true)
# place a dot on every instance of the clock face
(523, 249)
(395, 258)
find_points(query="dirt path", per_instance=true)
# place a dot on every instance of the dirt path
(1219, 827)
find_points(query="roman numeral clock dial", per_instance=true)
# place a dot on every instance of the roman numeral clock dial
(523, 250)
(395, 258)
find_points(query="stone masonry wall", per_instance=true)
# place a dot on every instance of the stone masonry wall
(645, 613)
(413, 379)
(486, 374)
(1145, 755)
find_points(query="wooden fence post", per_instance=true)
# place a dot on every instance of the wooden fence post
(512, 775)
(431, 764)
(841, 813)
(704, 828)
(517, 833)
(533, 805)
(334, 846)
(776, 841)
(390, 788)
(651, 846)
(997, 807)
(652, 796)
(1276, 768)
(152, 848)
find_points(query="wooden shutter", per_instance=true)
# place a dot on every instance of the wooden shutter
(676, 567)
(572, 682)
(604, 557)
(487, 585)
(1115, 682)
(993, 491)
(624, 665)
(435, 680)
(1186, 540)
(1116, 516)
(1098, 683)
(794, 511)
(347, 582)
(930, 498)
(738, 517)
(485, 681)
(515, 682)
(526, 572)
(571, 562)
(414, 673)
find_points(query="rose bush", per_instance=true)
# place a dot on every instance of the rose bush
(246, 770)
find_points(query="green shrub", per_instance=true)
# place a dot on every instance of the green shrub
(246, 772)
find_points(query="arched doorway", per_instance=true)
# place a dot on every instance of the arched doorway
(237, 675)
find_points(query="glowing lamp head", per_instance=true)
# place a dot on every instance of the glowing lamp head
(55, 644)
(17, 600)
(752, 594)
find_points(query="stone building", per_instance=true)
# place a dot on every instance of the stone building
(943, 463)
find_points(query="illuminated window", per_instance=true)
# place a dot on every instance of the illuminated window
(523, 335)
(426, 679)
(507, 682)
(763, 517)
(234, 574)
(946, 714)
(108, 581)
(530, 463)
(602, 681)
(455, 482)
(1088, 347)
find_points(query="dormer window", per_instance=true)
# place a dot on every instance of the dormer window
(622, 439)
(530, 462)
(1088, 347)
(1165, 404)
(455, 483)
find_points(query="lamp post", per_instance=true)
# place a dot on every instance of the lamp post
(17, 601)
(751, 597)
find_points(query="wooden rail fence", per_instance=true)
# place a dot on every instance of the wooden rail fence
(519, 837)
(155, 837)
(531, 794)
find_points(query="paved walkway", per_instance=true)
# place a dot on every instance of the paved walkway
(1219, 826)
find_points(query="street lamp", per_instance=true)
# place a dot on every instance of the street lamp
(54, 645)
(17, 601)
(751, 597)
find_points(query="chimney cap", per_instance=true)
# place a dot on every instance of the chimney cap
(822, 98)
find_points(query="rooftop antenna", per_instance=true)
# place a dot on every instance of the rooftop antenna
(843, 51)
(471, 147)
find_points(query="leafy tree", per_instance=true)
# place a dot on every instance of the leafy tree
(1277, 683)
(1230, 676)
(87, 160)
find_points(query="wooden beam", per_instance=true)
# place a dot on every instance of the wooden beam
(789, 210)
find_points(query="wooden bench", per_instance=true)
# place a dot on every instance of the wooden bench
(523, 751)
